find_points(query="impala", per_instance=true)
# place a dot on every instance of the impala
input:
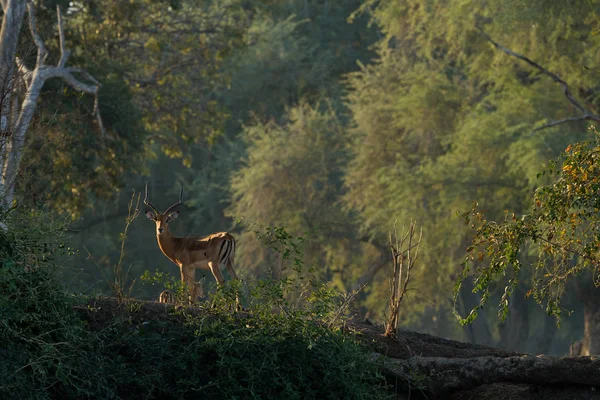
(192, 252)
(166, 296)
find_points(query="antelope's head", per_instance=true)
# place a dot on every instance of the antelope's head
(162, 219)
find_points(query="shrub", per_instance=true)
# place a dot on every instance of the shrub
(43, 340)
(277, 350)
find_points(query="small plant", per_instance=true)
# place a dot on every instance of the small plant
(178, 288)
(120, 276)
(44, 344)
(405, 252)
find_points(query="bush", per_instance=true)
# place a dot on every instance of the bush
(125, 352)
(43, 341)
(218, 355)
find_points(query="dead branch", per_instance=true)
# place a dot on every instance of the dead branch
(587, 114)
(561, 121)
(24, 72)
(42, 53)
(402, 256)
(64, 53)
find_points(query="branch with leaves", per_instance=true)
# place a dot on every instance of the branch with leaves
(587, 115)
(562, 229)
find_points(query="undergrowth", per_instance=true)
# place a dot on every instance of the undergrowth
(55, 345)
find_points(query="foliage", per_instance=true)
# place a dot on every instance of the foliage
(43, 342)
(561, 229)
(171, 55)
(443, 119)
(265, 355)
(174, 285)
(293, 175)
(69, 161)
(290, 324)
(293, 117)
(276, 349)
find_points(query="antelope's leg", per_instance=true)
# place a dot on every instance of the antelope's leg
(214, 268)
(229, 266)
(188, 276)
(166, 297)
(200, 288)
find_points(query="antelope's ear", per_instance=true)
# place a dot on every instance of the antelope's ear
(174, 215)
(150, 215)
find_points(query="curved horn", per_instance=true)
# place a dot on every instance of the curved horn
(146, 202)
(180, 202)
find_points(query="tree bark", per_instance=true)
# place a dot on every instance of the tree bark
(438, 376)
(591, 325)
(35, 81)
(589, 295)
(14, 11)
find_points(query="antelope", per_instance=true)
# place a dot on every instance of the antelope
(192, 252)
(166, 297)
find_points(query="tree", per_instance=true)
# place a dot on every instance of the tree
(292, 178)
(443, 119)
(561, 229)
(22, 88)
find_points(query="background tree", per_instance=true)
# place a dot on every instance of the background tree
(406, 111)
(561, 229)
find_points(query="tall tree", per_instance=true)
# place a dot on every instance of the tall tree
(444, 118)
(22, 88)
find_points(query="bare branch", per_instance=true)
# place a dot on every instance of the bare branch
(404, 259)
(67, 75)
(562, 121)
(3, 4)
(64, 53)
(98, 116)
(85, 74)
(587, 115)
(42, 54)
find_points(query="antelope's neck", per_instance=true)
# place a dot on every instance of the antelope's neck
(166, 243)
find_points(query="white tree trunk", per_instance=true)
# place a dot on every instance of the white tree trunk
(14, 11)
(13, 142)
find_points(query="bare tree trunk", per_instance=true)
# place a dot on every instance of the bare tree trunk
(14, 11)
(589, 295)
(35, 81)
(438, 376)
(591, 326)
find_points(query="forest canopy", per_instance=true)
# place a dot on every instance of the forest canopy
(331, 119)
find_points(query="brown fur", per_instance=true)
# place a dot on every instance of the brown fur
(195, 252)
(166, 297)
